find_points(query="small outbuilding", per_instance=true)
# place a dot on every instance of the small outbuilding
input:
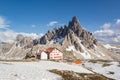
(42, 55)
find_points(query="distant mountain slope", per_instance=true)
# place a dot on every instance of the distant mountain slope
(115, 48)
(16, 50)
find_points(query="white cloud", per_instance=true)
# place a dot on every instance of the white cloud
(52, 23)
(118, 21)
(9, 35)
(104, 33)
(106, 26)
(3, 23)
(117, 39)
(33, 25)
(32, 35)
(110, 32)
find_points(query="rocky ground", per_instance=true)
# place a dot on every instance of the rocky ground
(115, 48)
(109, 69)
(71, 75)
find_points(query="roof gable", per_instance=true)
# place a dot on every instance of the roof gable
(49, 50)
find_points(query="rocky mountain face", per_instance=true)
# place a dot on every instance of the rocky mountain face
(25, 42)
(73, 38)
(17, 49)
(66, 35)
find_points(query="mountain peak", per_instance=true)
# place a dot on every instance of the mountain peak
(74, 19)
(74, 24)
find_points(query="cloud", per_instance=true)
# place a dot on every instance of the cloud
(32, 35)
(52, 23)
(8, 35)
(3, 23)
(117, 39)
(110, 32)
(104, 33)
(33, 25)
(106, 26)
(118, 22)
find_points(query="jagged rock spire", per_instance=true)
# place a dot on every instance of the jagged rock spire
(74, 24)
(74, 19)
(73, 33)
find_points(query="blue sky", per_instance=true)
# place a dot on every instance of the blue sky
(34, 16)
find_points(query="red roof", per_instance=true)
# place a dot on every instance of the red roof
(49, 50)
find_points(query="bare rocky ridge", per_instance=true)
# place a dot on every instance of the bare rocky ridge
(25, 42)
(68, 34)
(16, 50)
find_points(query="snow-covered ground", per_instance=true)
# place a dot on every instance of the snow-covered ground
(98, 67)
(35, 70)
(108, 46)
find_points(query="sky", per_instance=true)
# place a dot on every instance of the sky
(35, 17)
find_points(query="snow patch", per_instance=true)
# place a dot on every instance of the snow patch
(86, 55)
(35, 70)
(98, 67)
(108, 46)
(70, 48)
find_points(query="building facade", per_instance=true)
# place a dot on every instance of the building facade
(42, 55)
(54, 54)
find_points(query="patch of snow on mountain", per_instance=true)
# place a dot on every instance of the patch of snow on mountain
(70, 48)
(52, 41)
(100, 51)
(108, 46)
(86, 55)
